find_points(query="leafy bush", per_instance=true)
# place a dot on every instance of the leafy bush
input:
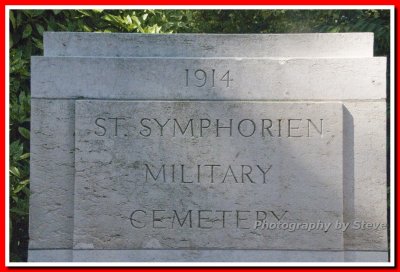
(26, 36)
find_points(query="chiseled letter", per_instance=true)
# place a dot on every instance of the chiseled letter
(116, 124)
(291, 128)
(315, 127)
(148, 129)
(189, 213)
(266, 128)
(135, 220)
(264, 172)
(161, 126)
(104, 129)
(158, 174)
(190, 122)
(203, 126)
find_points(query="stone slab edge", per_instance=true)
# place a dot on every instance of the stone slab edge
(63, 255)
(208, 45)
(52, 171)
(165, 78)
(365, 178)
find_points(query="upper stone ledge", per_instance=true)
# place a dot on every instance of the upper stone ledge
(209, 79)
(209, 45)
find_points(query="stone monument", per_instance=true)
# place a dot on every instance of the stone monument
(197, 147)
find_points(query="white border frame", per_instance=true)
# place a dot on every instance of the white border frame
(210, 264)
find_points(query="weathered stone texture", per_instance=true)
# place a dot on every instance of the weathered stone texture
(250, 79)
(287, 166)
(52, 173)
(315, 73)
(209, 45)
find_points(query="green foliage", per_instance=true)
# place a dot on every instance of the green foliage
(296, 21)
(26, 36)
(19, 196)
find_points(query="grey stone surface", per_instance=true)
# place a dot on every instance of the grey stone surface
(52, 173)
(209, 45)
(208, 256)
(140, 186)
(249, 79)
(50, 255)
(179, 255)
(366, 256)
(365, 181)
(228, 256)
(52, 162)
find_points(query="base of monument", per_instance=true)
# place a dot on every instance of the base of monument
(172, 255)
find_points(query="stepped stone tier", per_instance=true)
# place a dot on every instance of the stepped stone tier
(208, 147)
